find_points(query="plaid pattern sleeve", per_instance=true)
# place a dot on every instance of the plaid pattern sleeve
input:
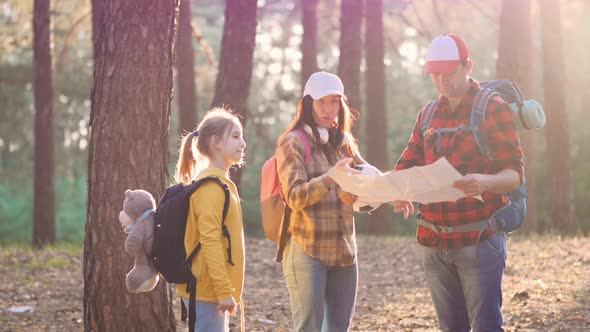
(413, 154)
(300, 191)
(504, 141)
(461, 150)
(319, 223)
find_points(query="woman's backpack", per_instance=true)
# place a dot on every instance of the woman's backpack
(273, 205)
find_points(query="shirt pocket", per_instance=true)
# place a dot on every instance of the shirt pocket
(463, 152)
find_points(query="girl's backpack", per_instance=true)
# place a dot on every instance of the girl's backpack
(168, 254)
(272, 200)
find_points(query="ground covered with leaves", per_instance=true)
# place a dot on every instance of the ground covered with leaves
(546, 287)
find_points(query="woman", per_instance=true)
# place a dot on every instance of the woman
(319, 260)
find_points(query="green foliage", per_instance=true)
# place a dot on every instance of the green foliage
(16, 209)
(71, 210)
(15, 214)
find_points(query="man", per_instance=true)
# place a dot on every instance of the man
(463, 264)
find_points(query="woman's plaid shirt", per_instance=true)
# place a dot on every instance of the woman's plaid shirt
(320, 223)
(461, 149)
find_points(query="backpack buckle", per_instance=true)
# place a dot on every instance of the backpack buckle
(428, 132)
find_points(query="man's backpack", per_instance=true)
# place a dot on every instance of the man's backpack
(273, 205)
(168, 253)
(530, 115)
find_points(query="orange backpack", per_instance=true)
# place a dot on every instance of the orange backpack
(272, 198)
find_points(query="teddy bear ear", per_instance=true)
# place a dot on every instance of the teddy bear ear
(127, 193)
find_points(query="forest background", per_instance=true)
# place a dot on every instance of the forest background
(408, 27)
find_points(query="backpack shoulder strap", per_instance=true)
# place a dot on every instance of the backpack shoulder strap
(225, 190)
(478, 117)
(427, 115)
(224, 229)
(306, 145)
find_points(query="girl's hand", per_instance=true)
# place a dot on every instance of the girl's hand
(228, 305)
(347, 198)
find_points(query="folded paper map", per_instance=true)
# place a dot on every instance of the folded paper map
(424, 184)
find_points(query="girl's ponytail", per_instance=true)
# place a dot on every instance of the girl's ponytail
(186, 164)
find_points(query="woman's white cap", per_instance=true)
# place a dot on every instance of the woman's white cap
(323, 84)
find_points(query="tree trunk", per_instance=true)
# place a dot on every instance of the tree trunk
(309, 51)
(44, 195)
(185, 74)
(514, 63)
(235, 64)
(349, 65)
(376, 129)
(130, 114)
(97, 11)
(557, 132)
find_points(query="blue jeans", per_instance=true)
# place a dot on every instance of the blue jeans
(208, 318)
(466, 284)
(322, 297)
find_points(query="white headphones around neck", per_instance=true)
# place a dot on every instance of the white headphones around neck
(324, 134)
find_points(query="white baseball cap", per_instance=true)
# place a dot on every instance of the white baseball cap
(323, 84)
(445, 53)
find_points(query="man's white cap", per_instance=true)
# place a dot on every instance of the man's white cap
(445, 53)
(323, 84)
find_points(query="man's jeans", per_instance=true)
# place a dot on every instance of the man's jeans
(466, 284)
(322, 297)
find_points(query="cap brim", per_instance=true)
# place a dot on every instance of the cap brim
(326, 92)
(442, 67)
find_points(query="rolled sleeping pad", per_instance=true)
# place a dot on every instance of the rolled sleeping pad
(530, 114)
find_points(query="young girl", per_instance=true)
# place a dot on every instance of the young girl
(319, 260)
(211, 150)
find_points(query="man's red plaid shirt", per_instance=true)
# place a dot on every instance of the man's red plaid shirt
(460, 148)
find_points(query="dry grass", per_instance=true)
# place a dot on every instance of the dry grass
(546, 287)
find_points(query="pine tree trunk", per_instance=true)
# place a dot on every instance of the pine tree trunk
(349, 65)
(235, 64)
(514, 63)
(44, 195)
(557, 132)
(185, 74)
(309, 51)
(376, 129)
(130, 114)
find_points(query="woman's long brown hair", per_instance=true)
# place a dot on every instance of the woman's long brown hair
(341, 128)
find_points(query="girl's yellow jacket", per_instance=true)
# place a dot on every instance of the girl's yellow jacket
(216, 278)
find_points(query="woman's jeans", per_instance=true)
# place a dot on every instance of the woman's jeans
(208, 318)
(466, 284)
(322, 297)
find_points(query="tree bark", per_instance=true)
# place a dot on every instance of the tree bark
(130, 114)
(514, 63)
(185, 74)
(309, 51)
(44, 195)
(349, 65)
(235, 64)
(557, 132)
(376, 129)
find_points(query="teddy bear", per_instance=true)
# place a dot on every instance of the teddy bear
(137, 218)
